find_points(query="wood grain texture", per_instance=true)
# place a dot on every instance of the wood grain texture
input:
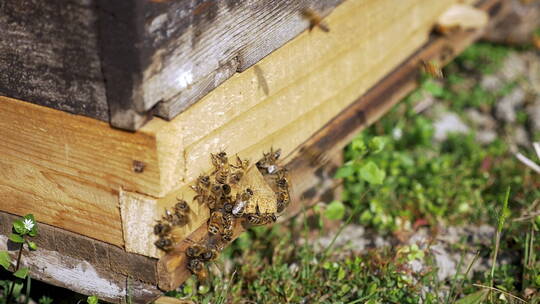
(80, 146)
(315, 154)
(300, 94)
(84, 265)
(48, 63)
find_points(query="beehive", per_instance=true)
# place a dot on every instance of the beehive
(97, 190)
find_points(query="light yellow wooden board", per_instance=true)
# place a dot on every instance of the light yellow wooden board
(61, 200)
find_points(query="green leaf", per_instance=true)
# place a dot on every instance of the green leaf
(5, 259)
(92, 300)
(21, 273)
(335, 211)
(32, 245)
(434, 88)
(376, 144)
(341, 274)
(505, 212)
(344, 171)
(15, 238)
(474, 298)
(19, 227)
(372, 174)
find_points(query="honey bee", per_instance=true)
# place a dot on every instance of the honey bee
(211, 201)
(227, 220)
(261, 219)
(432, 68)
(203, 181)
(216, 222)
(314, 20)
(197, 267)
(204, 253)
(236, 176)
(241, 166)
(226, 189)
(241, 201)
(216, 190)
(202, 194)
(268, 162)
(164, 243)
(176, 219)
(195, 250)
(162, 228)
(222, 174)
(227, 235)
(281, 181)
(219, 160)
(181, 207)
(282, 200)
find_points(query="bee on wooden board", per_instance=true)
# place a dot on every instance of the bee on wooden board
(162, 228)
(282, 200)
(216, 222)
(204, 253)
(314, 20)
(164, 243)
(261, 219)
(258, 219)
(432, 68)
(281, 181)
(241, 168)
(227, 235)
(219, 160)
(181, 207)
(268, 162)
(221, 174)
(175, 219)
(241, 202)
(203, 181)
(198, 268)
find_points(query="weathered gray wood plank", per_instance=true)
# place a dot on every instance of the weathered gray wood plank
(219, 34)
(85, 265)
(48, 55)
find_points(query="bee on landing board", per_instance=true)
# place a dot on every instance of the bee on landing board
(162, 228)
(181, 207)
(268, 162)
(198, 268)
(258, 219)
(164, 243)
(216, 222)
(314, 20)
(204, 253)
(241, 202)
(240, 167)
(220, 159)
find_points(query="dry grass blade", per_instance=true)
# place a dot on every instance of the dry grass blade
(501, 291)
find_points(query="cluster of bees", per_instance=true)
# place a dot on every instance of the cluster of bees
(178, 217)
(227, 200)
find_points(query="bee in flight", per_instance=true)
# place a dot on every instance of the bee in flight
(315, 20)
(432, 68)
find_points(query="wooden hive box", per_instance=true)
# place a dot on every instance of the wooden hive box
(97, 191)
